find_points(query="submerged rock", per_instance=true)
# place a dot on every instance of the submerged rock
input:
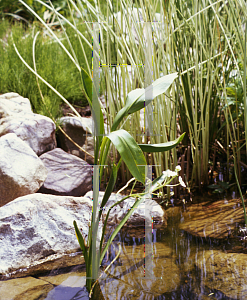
(24, 288)
(21, 170)
(68, 175)
(225, 272)
(217, 220)
(126, 278)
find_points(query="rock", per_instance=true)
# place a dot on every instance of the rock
(36, 130)
(68, 175)
(16, 116)
(49, 264)
(37, 226)
(217, 220)
(174, 213)
(59, 279)
(225, 272)
(24, 288)
(126, 279)
(12, 104)
(79, 130)
(21, 171)
(138, 216)
(84, 123)
(71, 286)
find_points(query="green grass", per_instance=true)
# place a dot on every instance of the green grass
(51, 62)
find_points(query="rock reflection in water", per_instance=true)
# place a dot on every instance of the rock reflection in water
(73, 288)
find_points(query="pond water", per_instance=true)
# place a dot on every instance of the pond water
(184, 267)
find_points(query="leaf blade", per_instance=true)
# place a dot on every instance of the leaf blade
(137, 98)
(161, 147)
(81, 241)
(130, 152)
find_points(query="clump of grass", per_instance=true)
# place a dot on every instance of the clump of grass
(51, 62)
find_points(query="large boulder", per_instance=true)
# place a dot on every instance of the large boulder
(21, 171)
(225, 272)
(12, 104)
(68, 175)
(36, 130)
(39, 226)
(36, 226)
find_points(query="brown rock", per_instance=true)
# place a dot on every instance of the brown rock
(24, 288)
(217, 220)
(225, 272)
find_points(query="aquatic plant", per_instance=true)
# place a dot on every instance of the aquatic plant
(132, 154)
(130, 151)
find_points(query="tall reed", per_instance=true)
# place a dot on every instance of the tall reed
(202, 40)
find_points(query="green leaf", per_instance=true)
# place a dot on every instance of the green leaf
(87, 84)
(96, 111)
(161, 147)
(139, 98)
(158, 87)
(107, 194)
(81, 241)
(110, 186)
(130, 152)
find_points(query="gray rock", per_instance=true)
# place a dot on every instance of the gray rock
(21, 171)
(138, 216)
(82, 122)
(36, 130)
(225, 272)
(37, 226)
(76, 129)
(68, 175)
(12, 104)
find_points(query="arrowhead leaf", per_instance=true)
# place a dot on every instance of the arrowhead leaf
(139, 98)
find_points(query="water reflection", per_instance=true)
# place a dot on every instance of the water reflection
(70, 289)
